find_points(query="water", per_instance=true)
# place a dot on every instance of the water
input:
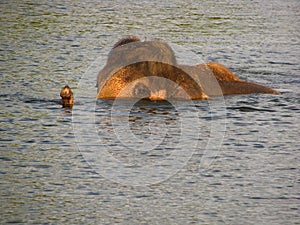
(46, 178)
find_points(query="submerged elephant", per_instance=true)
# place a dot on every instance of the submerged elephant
(149, 69)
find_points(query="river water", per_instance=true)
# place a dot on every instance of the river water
(231, 160)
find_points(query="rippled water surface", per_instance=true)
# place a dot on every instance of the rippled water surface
(238, 157)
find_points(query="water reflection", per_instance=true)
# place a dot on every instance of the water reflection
(145, 135)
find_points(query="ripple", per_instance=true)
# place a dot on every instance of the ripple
(250, 109)
(45, 179)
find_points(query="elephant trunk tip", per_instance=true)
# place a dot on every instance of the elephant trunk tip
(67, 98)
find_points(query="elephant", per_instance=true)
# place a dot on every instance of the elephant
(132, 59)
(149, 69)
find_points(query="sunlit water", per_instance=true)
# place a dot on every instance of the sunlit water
(247, 175)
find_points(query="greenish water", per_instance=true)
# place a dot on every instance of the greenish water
(46, 178)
